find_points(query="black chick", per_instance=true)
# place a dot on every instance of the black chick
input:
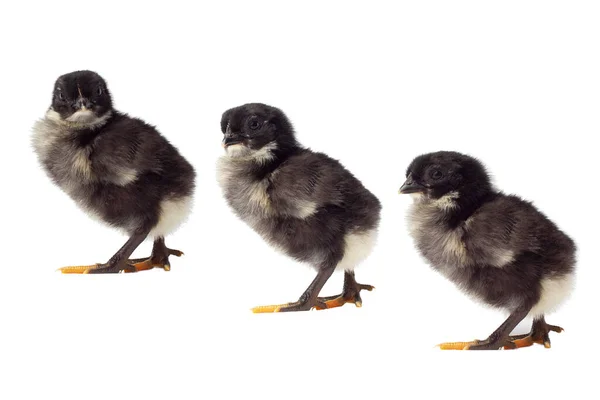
(116, 168)
(302, 202)
(498, 248)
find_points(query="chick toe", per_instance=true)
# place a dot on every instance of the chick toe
(540, 334)
(288, 307)
(267, 309)
(158, 259)
(350, 294)
(339, 301)
(77, 269)
(520, 343)
(97, 269)
(457, 345)
(143, 265)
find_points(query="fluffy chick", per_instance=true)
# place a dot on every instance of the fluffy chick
(302, 202)
(116, 168)
(498, 248)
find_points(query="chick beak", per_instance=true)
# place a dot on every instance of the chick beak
(229, 141)
(82, 102)
(411, 186)
(230, 138)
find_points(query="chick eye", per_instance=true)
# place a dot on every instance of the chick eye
(254, 124)
(436, 174)
(100, 91)
(61, 96)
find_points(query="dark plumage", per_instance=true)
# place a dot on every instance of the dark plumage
(115, 167)
(302, 202)
(498, 248)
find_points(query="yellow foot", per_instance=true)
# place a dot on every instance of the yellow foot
(296, 306)
(135, 265)
(97, 269)
(457, 345)
(79, 269)
(268, 309)
(90, 269)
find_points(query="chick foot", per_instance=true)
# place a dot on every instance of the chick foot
(457, 345)
(300, 305)
(159, 258)
(540, 334)
(307, 301)
(477, 345)
(156, 260)
(98, 269)
(350, 294)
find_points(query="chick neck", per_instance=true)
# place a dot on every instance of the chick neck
(279, 155)
(466, 201)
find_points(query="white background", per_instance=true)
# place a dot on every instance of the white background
(515, 83)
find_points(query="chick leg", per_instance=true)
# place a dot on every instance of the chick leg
(309, 298)
(117, 263)
(350, 293)
(500, 338)
(540, 334)
(159, 258)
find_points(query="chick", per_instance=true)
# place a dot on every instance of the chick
(302, 202)
(498, 248)
(116, 168)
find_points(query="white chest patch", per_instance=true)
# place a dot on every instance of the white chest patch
(242, 152)
(69, 165)
(236, 150)
(46, 133)
(439, 244)
(248, 197)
